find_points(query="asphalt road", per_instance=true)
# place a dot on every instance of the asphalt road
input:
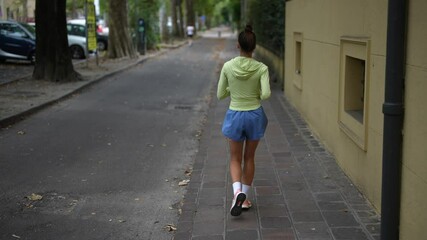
(107, 162)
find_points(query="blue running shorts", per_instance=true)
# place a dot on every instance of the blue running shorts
(245, 125)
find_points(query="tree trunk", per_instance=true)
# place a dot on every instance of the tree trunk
(119, 39)
(175, 27)
(190, 13)
(181, 19)
(164, 24)
(53, 56)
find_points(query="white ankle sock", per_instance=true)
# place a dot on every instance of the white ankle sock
(237, 186)
(246, 188)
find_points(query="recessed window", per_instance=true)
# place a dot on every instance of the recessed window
(354, 89)
(354, 94)
(298, 60)
(298, 57)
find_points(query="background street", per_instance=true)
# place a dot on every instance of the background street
(107, 162)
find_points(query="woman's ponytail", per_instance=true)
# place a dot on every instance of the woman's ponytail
(247, 39)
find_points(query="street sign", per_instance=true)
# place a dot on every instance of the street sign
(91, 25)
(141, 44)
(141, 26)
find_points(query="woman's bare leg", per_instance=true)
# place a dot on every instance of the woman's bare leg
(249, 162)
(236, 151)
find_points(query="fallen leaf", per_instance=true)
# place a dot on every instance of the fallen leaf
(170, 227)
(29, 205)
(187, 172)
(184, 182)
(35, 197)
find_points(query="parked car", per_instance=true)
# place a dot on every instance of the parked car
(101, 27)
(77, 40)
(77, 27)
(17, 41)
(102, 42)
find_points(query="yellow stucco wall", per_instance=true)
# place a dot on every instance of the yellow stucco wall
(414, 170)
(322, 24)
(315, 92)
(16, 9)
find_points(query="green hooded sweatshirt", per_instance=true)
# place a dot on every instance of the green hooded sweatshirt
(246, 81)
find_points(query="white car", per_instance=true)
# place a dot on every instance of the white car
(77, 40)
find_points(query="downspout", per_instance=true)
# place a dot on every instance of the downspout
(393, 120)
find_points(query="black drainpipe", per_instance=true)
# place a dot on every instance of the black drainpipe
(393, 120)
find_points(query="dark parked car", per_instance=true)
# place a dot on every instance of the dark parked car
(17, 41)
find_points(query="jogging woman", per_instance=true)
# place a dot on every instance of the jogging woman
(246, 81)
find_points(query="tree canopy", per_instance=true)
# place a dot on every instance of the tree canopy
(54, 61)
(268, 20)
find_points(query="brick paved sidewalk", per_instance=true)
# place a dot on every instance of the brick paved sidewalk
(299, 192)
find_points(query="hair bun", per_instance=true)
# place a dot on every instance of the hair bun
(248, 28)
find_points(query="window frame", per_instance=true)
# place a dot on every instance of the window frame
(356, 128)
(298, 60)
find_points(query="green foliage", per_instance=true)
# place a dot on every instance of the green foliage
(79, 7)
(149, 11)
(205, 8)
(223, 12)
(268, 21)
(235, 11)
(219, 12)
(103, 7)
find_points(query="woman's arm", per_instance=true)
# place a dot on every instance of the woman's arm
(222, 91)
(265, 85)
